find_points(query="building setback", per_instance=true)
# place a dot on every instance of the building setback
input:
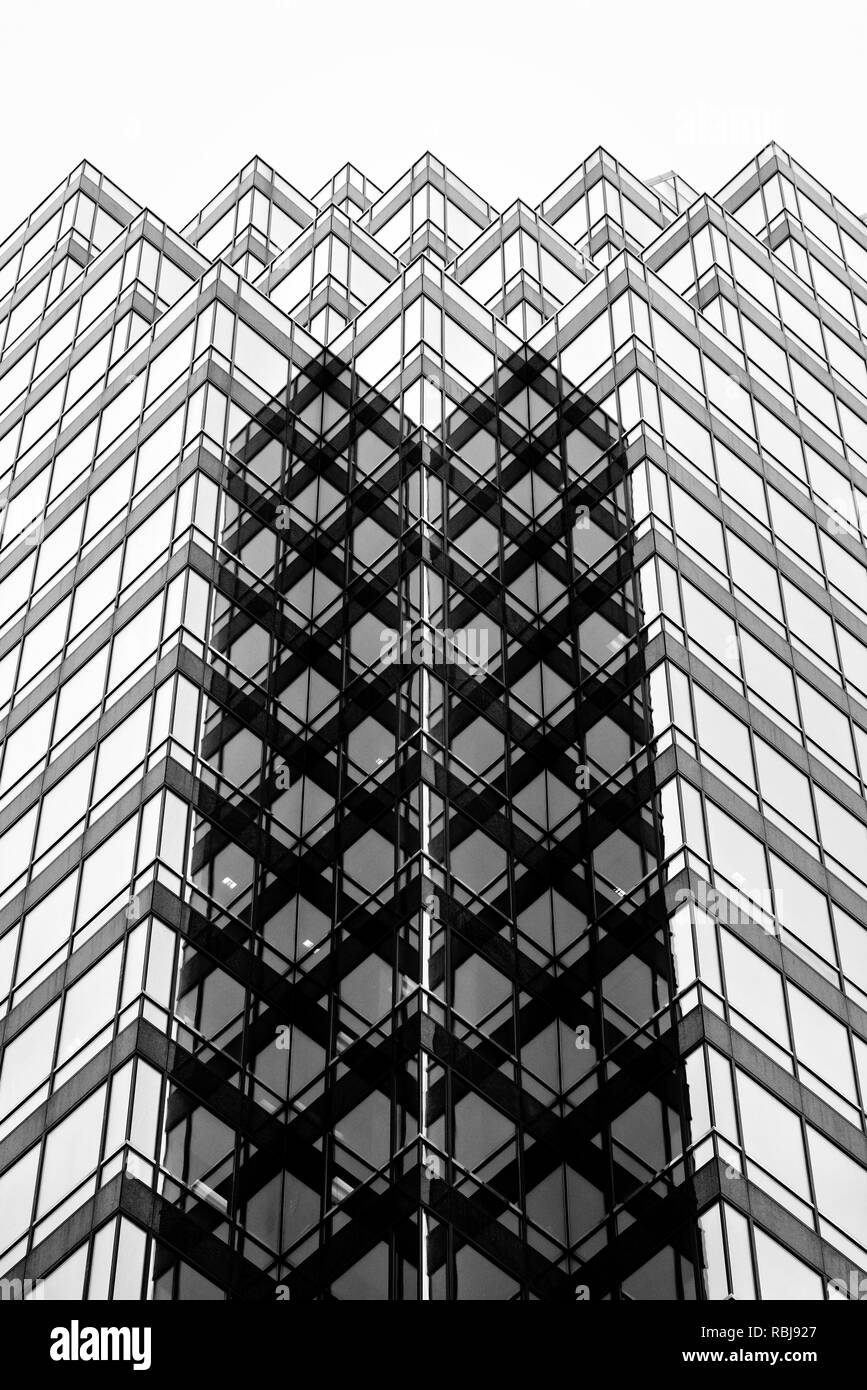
(433, 741)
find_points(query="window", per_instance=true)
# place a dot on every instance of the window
(89, 1004)
(785, 788)
(772, 1137)
(737, 853)
(71, 1152)
(841, 1188)
(27, 1060)
(781, 1274)
(844, 837)
(822, 1043)
(802, 908)
(810, 625)
(755, 990)
(769, 677)
(725, 738)
(17, 1187)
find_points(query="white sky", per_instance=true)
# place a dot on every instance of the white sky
(172, 97)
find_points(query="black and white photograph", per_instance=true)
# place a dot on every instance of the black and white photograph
(433, 675)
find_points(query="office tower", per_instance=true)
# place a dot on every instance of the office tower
(433, 700)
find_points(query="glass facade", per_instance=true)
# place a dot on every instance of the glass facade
(433, 741)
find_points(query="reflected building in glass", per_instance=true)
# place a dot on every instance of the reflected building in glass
(433, 703)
